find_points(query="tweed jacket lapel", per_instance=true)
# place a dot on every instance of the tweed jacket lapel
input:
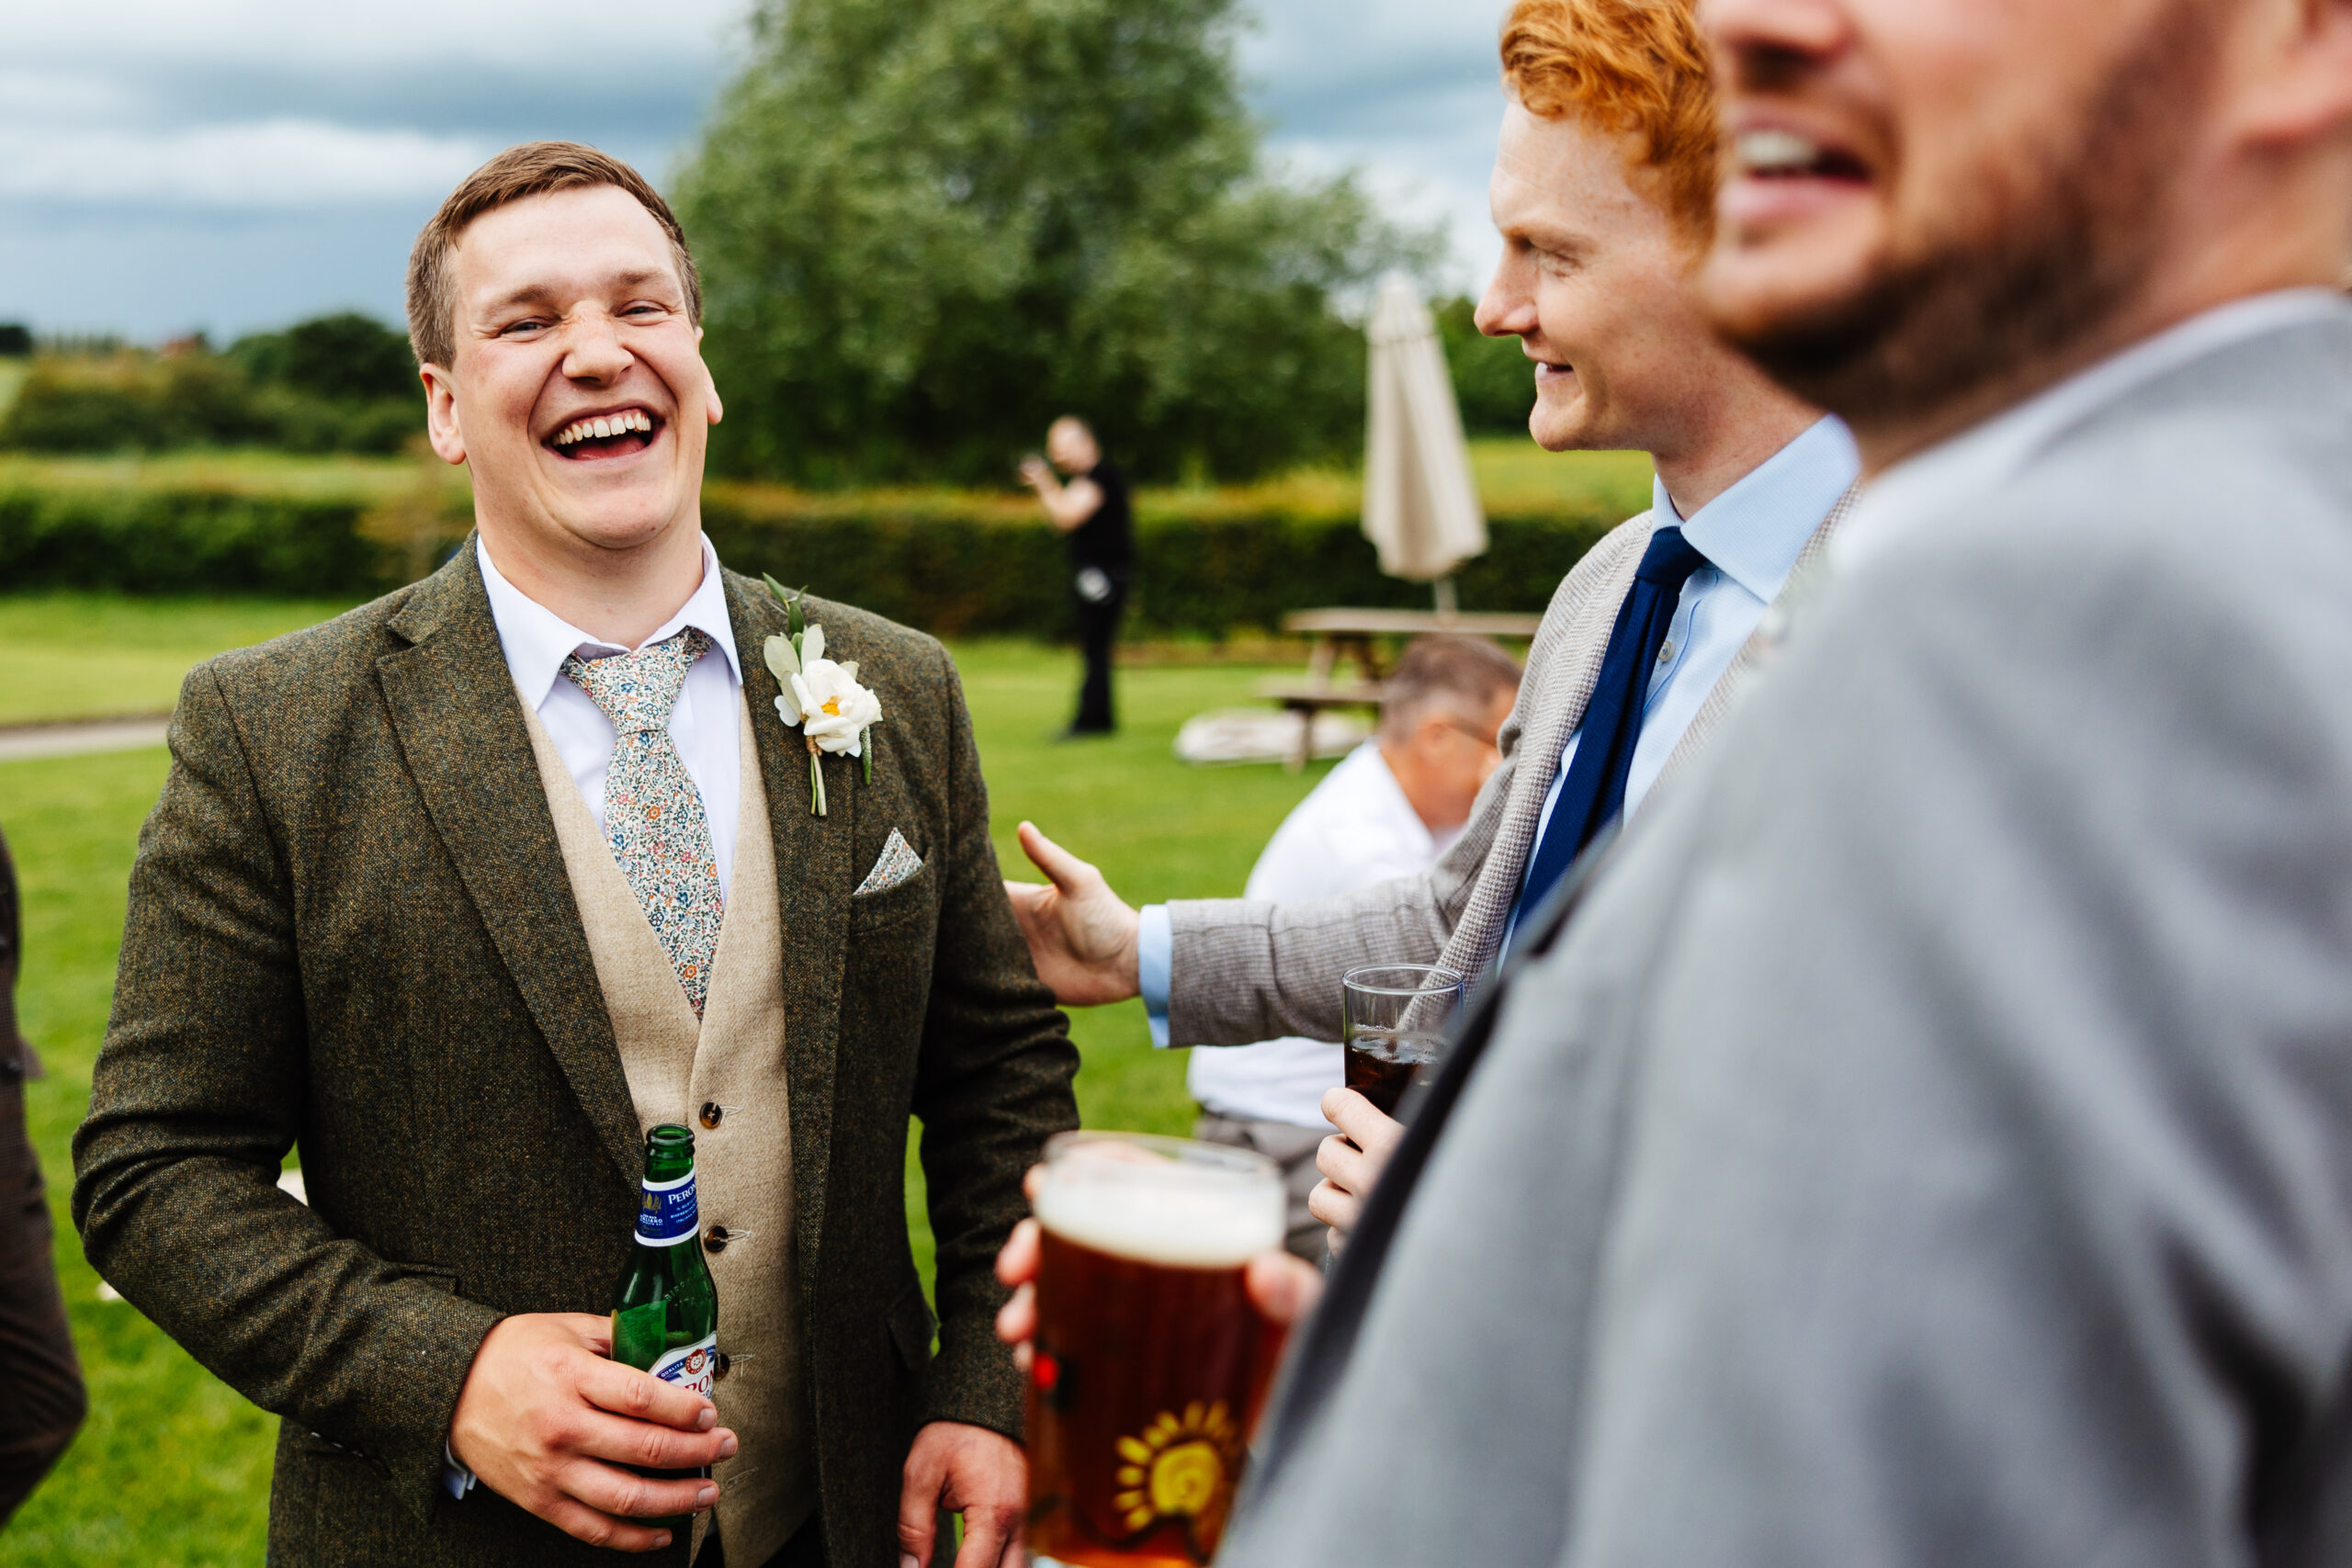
(460, 722)
(814, 877)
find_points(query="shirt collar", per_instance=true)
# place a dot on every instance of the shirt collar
(1754, 532)
(536, 640)
(1985, 455)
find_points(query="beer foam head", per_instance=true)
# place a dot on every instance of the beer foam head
(1165, 1212)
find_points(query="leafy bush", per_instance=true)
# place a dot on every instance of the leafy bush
(15, 340)
(183, 542)
(322, 386)
(927, 227)
(346, 356)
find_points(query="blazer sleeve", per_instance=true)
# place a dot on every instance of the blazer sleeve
(1245, 970)
(992, 1085)
(197, 1097)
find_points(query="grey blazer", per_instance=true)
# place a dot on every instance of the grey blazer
(1246, 970)
(1931, 1142)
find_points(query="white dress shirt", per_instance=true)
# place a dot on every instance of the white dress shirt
(1354, 828)
(703, 726)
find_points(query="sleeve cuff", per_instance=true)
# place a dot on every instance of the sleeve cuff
(1154, 952)
(455, 1476)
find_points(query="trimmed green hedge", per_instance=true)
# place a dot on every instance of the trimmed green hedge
(956, 568)
(149, 541)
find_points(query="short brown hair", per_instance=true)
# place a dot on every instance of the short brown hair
(1464, 674)
(535, 168)
(1637, 67)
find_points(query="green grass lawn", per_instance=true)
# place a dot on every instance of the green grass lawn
(97, 655)
(172, 1467)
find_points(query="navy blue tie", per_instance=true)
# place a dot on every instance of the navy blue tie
(1595, 791)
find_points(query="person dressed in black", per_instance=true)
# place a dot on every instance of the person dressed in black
(1088, 502)
(45, 1401)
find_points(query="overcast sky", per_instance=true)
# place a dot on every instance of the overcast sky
(226, 164)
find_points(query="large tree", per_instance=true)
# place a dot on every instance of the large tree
(927, 226)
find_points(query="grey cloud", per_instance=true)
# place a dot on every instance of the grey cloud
(1404, 89)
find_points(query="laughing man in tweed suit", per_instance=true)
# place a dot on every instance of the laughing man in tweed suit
(1604, 192)
(459, 898)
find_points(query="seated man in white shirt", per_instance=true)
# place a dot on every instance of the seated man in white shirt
(1390, 810)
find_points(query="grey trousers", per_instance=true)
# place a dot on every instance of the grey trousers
(1292, 1147)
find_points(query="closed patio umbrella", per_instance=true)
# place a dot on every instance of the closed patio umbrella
(1420, 504)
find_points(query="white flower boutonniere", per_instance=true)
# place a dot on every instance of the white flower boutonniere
(821, 699)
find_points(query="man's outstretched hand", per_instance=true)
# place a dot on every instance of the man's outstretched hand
(1351, 1160)
(547, 1422)
(1081, 935)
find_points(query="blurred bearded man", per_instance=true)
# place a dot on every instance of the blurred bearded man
(464, 892)
(1926, 1137)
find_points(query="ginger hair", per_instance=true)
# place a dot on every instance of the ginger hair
(535, 168)
(1639, 68)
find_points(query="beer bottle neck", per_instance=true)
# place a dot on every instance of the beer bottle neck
(665, 1209)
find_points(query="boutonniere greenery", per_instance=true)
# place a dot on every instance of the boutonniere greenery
(821, 699)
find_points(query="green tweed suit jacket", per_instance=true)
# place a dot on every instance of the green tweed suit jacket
(351, 932)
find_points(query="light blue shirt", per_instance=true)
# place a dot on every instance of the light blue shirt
(1751, 535)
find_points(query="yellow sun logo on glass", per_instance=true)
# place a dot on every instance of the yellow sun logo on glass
(1177, 1468)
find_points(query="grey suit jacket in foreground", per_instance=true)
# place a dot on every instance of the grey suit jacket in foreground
(1931, 1142)
(351, 932)
(1245, 970)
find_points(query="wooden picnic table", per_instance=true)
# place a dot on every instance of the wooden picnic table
(1355, 633)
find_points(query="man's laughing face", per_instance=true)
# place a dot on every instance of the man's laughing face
(579, 397)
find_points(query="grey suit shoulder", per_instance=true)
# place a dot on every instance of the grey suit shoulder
(1938, 1124)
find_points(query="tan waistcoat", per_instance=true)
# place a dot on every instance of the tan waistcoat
(732, 1060)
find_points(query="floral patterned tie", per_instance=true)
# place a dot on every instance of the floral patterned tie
(653, 813)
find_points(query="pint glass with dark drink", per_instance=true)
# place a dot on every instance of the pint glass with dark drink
(1395, 1021)
(1149, 1363)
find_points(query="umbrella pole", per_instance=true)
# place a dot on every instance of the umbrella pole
(1446, 607)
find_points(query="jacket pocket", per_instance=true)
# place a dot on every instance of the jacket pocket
(893, 906)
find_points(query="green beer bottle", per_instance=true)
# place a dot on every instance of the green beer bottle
(665, 1310)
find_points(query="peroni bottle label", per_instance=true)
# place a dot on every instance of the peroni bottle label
(665, 1212)
(691, 1367)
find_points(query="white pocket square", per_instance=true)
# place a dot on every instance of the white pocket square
(898, 863)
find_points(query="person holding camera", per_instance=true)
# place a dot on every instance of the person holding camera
(1087, 500)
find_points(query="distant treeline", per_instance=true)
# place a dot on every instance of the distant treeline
(347, 383)
(339, 383)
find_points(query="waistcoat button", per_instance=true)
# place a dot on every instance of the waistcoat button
(711, 1111)
(714, 1239)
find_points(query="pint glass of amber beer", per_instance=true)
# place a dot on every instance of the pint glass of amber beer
(1149, 1363)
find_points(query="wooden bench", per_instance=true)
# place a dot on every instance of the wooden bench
(1355, 634)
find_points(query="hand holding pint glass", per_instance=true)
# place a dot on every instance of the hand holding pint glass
(1149, 1362)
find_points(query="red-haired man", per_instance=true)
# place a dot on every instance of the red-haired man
(1604, 190)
